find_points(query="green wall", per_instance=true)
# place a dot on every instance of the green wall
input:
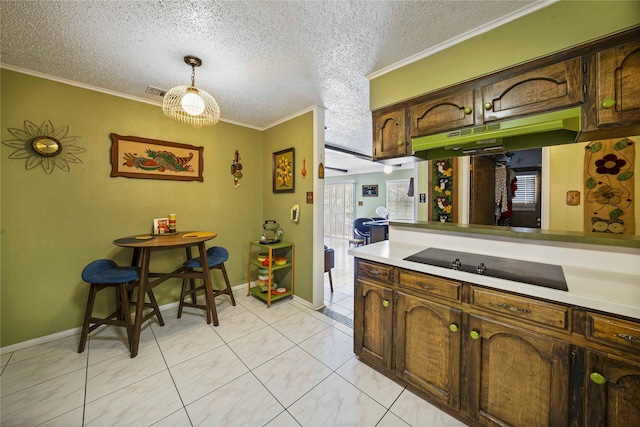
(551, 29)
(53, 225)
(297, 133)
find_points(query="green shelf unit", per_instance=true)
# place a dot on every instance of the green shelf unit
(272, 250)
(273, 267)
(255, 291)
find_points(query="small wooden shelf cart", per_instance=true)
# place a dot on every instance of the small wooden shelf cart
(272, 250)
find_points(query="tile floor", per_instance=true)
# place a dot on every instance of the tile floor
(283, 366)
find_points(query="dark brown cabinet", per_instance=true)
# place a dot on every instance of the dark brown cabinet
(516, 377)
(442, 114)
(497, 358)
(618, 85)
(373, 318)
(612, 391)
(548, 88)
(612, 383)
(602, 76)
(427, 345)
(389, 135)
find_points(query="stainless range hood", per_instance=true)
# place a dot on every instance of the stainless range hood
(554, 128)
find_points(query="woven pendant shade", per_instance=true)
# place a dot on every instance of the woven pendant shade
(190, 105)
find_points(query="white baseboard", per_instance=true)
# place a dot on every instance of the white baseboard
(238, 289)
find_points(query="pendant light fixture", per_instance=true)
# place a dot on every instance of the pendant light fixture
(190, 105)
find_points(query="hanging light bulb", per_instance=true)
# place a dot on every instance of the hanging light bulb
(388, 169)
(190, 105)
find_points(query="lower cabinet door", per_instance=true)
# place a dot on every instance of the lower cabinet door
(373, 321)
(427, 344)
(514, 377)
(612, 391)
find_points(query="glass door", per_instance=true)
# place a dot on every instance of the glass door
(338, 209)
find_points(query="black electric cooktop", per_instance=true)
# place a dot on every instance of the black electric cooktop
(533, 273)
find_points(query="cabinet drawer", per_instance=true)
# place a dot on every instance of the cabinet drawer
(373, 270)
(543, 313)
(430, 284)
(611, 331)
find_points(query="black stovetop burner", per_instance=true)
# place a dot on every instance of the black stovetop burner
(533, 273)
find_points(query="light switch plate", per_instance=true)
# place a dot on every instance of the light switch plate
(573, 198)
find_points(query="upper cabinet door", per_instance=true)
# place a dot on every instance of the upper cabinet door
(389, 135)
(618, 85)
(547, 88)
(442, 114)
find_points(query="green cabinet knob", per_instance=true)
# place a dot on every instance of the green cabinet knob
(597, 378)
(608, 103)
(400, 143)
(488, 105)
(385, 303)
(453, 327)
(474, 335)
(467, 110)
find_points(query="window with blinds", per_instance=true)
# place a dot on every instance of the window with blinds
(526, 195)
(400, 205)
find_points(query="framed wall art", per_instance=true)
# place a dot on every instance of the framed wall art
(443, 190)
(135, 157)
(283, 168)
(369, 191)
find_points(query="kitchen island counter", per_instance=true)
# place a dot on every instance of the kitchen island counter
(602, 278)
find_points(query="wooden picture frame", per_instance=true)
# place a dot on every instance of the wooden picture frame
(136, 157)
(369, 191)
(284, 171)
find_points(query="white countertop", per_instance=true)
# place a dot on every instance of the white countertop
(600, 289)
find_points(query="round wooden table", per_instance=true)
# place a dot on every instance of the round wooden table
(143, 245)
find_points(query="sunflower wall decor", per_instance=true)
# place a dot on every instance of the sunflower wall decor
(609, 186)
(44, 146)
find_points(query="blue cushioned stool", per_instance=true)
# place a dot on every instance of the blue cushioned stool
(105, 273)
(216, 256)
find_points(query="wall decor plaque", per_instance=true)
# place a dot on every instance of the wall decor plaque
(136, 157)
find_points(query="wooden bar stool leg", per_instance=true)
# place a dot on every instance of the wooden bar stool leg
(226, 280)
(125, 311)
(87, 316)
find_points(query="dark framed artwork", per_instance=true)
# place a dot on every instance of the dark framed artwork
(369, 191)
(135, 157)
(284, 171)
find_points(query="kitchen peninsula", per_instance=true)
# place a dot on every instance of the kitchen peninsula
(490, 350)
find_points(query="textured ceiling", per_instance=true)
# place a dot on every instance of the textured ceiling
(263, 61)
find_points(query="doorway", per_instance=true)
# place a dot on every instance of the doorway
(339, 208)
(516, 202)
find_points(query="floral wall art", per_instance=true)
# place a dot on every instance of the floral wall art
(443, 190)
(609, 186)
